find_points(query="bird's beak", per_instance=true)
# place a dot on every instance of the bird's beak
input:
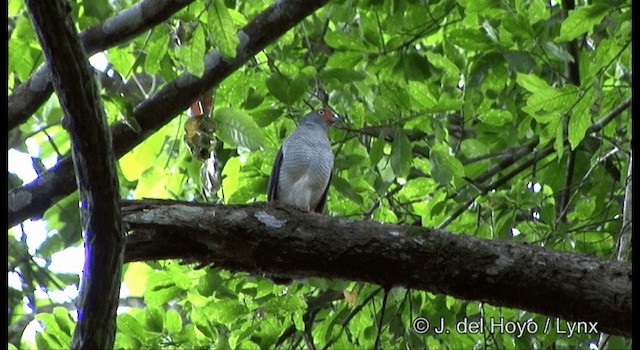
(334, 118)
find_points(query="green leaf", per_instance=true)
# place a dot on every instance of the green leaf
(558, 51)
(297, 88)
(160, 296)
(519, 61)
(341, 75)
(532, 83)
(191, 56)
(21, 59)
(64, 320)
(99, 9)
(237, 128)
(377, 150)
(582, 20)
(340, 40)
(264, 117)
(580, 119)
(279, 87)
(222, 28)
(421, 95)
(345, 188)
(156, 51)
(470, 39)
(226, 311)
(173, 321)
(444, 167)
(496, 117)
(443, 63)
(153, 319)
(401, 156)
(130, 325)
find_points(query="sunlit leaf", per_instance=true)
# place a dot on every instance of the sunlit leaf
(223, 28)
(582, 20)
(237, 128)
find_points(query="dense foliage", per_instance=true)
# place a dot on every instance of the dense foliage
(474, 116)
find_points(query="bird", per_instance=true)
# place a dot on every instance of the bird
(302, 170)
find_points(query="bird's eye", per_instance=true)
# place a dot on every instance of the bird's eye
(321, 112)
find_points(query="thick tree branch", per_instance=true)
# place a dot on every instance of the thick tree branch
(281, 241)
(94, 164)
(31, 200)
(30, 95)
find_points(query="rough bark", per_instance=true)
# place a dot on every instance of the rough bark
(280, 241)
(32, 199)
(29, 96)
(94, 165)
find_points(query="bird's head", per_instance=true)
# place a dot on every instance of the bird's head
(323, 117)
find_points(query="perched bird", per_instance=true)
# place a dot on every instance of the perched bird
(303, 167)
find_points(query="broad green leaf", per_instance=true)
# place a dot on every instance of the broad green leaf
(520, 61)
(401, 156)
(237, 128)
(340, 40)
(443, 63)
(582, 20)
(136, 278)
(297, 88)
(21, 59)
(121, 60)
(223, 29)
(580, 119)
(226, 311)
(558, 51)
(479, 6)
(532, 83)
(52, 244)
(421, 95)
(377, 150)
(279, 87)
(191, 54)
(173, 321)
(342, 75)
(231, 176)
(160, 296)
(154, 319)
(64, 321)
(346, 189)
(100, 9)
(152, 184)
(13, 7)
(551, 100)
(416, 189)
(130, 325)
(264, 117)
(536, 10)
(53, 330)
(470, 39)
(497, 117)
(155, 53)
(444, 167)
(45, 340)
